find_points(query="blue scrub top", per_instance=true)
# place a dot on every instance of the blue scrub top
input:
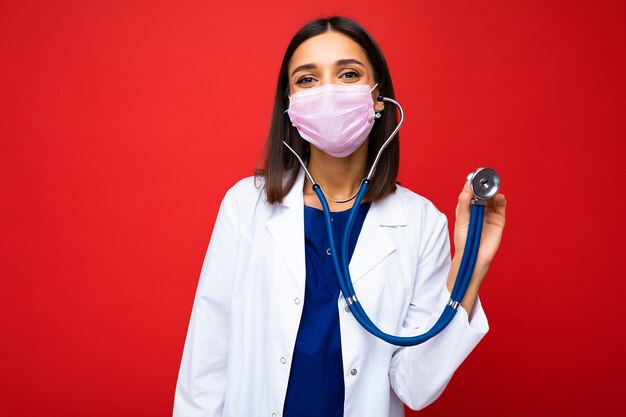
(316, 380)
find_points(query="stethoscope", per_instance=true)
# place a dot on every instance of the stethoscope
(484, 183)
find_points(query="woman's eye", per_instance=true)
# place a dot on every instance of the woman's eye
(305, 80)
(350, 75)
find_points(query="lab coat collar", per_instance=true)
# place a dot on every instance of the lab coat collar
(391, 208)
(373, 244)
(287, 230)
(295, 198)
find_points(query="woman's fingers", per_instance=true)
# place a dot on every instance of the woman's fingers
(500, 207)
(493, 228)
(496, 210)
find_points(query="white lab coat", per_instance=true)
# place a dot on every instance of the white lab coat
(240, 341)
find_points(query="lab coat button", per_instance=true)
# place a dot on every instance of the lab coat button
(283, 360)
(273, 414)
(347, 309)
(297, 301)
(353, 371)
(328, 251)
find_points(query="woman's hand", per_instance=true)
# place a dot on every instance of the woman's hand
(493, 226)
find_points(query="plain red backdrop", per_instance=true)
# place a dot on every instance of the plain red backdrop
(123, 123)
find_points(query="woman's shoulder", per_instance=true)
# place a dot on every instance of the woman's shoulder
(246, 190)
(248, 185)
(421, 217)
(414, 202)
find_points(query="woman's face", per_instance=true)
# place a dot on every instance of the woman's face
(329, 58)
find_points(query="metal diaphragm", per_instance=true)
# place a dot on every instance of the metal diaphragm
(484, 182)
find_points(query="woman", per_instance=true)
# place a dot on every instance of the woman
(270, 334)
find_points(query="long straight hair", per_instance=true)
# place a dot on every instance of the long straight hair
(281, 167)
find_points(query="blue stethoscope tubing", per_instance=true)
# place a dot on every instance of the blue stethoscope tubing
(461, 284)
(466, 268)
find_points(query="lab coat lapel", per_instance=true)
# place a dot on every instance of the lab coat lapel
(287, 230)
(374, 244)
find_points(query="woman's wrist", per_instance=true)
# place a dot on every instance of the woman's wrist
(478, 275)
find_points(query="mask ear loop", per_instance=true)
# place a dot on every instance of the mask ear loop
(377, 115)
(287, 109)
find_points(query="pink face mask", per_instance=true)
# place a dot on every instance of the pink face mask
(335, 118)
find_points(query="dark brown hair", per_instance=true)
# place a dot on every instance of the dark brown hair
(281, 167)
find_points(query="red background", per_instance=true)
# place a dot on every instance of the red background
(123, 123)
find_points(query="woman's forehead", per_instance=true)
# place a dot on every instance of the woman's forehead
(326, 49)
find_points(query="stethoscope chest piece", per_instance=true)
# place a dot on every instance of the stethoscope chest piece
(485, 183)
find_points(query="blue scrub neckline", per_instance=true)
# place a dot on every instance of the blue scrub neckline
(343, 212)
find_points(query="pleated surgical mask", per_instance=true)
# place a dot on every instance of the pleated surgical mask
(334, 118)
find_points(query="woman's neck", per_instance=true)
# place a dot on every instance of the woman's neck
(339, 178)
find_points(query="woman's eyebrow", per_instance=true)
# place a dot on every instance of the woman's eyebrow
(339, 63)
(303, 68)
(349, 61)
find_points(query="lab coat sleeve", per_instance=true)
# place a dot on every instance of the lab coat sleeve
(202, 376)
(419, 374)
